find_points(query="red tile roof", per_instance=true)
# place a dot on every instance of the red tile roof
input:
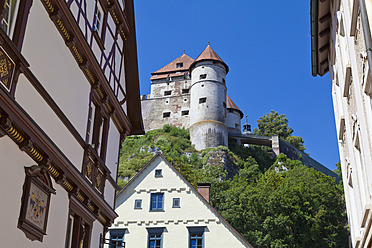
(210, 54)
(171, 68)
(231, 105)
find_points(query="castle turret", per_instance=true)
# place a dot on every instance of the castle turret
(233, 117)
(208, 101)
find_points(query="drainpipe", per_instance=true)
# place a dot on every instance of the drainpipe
(367, 34)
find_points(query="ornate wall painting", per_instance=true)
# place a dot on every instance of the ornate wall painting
(6, 69)
(37, 190)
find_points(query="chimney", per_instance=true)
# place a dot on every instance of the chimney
(203, 189)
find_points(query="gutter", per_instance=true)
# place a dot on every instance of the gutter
(314, 36)
(367, 34)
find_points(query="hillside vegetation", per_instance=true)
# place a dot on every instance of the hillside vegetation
(272, 202)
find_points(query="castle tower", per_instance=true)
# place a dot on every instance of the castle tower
(233, 117)
(208, 101)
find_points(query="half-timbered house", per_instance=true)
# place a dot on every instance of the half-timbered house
(69, 95)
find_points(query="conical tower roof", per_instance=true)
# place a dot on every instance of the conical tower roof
(180, 64)
(209, 54)
(231, 105)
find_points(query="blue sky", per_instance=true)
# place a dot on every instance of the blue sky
(267, 48)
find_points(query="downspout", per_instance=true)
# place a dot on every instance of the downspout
(314, 36)
(367, 34)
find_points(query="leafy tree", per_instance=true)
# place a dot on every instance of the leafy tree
(274, 124)
(296, 208)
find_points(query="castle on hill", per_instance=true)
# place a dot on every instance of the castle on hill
(192, 94)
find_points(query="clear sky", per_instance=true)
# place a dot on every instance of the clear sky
(267, 48)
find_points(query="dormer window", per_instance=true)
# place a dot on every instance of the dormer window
(179, 65)
(203, 76)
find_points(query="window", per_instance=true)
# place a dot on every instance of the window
(176, 202)
(155, 237)
(167, 93)
(179, 65)
(196, 237)
(116, 238)
(203, 76)
(8, 22)
(97, 130)
(166, 114)
(223, 80)
(158, 173)
(98, 18)
(138, 204)
(224, 105)
(78, 227)
(184, 112)
(185, 91)
(203, 100)
(157, 200)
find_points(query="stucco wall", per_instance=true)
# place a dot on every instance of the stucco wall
(192, 213)
(13, 160)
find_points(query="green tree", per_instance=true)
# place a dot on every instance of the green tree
(274, 124)
(296, 208)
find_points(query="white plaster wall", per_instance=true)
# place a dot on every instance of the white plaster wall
(193, 212)
(233, 118)
(43, 115)
(113, 143)
(61, 77)
(13, 161)
(97, 230)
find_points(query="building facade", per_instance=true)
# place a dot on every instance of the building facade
(69, 95)
(341, 46)
(192, 94)
(159, 208)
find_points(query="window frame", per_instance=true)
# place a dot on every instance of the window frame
(140, 204)
(158, 173)
(155, 197)
(157, 232)
(99, 33)
(196, 231)
(115, 242)
(176, 205)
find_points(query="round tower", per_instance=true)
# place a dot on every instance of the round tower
(208, 101)
(233, 117)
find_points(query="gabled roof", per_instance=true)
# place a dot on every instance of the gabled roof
(196, 193)
(209, 54)
(231, 105)
(171, 68)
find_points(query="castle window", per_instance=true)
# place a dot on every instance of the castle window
(185, 91)
(236, 125)
(179, 65)
(203, 100)
(138, 204)
(167, 93)
(185, 112)
(224, 104)
(203, 76)
(166, 114)
(223, 80)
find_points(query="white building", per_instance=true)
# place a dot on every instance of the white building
(69, 95)
(340, 38)
(158, 208)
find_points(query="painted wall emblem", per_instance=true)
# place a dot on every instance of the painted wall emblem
(36, 208)
(6, 69)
